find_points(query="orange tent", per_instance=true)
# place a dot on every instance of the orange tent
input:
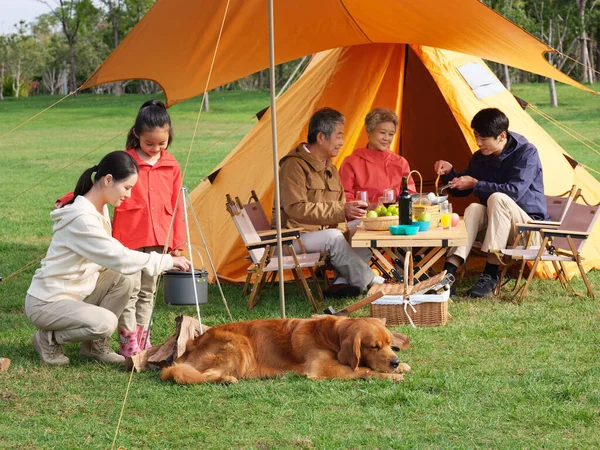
(175, 42)
(435, 104)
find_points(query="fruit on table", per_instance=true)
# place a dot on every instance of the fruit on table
(382, 211)
(455, 219)
(424, 217)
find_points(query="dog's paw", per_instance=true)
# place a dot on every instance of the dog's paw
(396, 377)
(229, 379)
(404, 368)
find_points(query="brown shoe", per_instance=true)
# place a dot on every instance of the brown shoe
(50, 352)
(100, 351)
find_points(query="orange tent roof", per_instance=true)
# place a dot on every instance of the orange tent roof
(174, 43)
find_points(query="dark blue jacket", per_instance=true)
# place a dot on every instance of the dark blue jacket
(517, 172)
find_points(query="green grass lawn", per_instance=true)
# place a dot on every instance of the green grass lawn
(496, 376)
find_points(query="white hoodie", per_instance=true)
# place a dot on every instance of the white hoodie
(81, 246)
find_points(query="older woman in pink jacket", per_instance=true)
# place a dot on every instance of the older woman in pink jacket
(375, 167)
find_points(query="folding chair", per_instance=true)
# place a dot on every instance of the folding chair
(261, 223)
(559, 245)
(556, 208)
(264, 260)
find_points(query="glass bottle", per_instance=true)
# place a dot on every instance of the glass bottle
(405, 204)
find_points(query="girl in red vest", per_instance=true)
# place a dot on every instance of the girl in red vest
(142, 221)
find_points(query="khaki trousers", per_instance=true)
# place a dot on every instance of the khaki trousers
(93, 318)
(349, 262)
(493, 225)
(139, 307)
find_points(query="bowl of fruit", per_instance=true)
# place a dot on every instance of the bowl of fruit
(380, 218)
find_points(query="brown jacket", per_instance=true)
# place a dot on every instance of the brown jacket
(312, 195)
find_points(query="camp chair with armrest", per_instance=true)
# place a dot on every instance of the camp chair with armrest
(556, 208)
(261, 223)
(559, 245)
(265, 261)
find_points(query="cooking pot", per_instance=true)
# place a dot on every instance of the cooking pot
(178, 287)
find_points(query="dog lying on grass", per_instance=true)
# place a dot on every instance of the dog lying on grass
(318, 348)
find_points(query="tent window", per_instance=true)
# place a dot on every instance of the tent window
(481, 81)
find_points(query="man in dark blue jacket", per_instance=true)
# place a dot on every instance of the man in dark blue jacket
(505, 174)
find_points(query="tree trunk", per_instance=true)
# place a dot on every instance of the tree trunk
(73, 75)
(506, 77)
(553, 97)
(588, 74)
(16, 84)
(205, 104)
(2, 82)
(114, 19)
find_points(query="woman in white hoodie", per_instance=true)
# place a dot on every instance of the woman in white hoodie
(82, 286)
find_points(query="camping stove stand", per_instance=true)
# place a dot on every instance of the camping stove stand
(184, 195)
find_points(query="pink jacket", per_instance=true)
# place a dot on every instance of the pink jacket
(143, 220)
(373, 171)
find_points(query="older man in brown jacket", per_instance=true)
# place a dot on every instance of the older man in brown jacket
(312, 198)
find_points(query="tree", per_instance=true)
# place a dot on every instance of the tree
(3, 62)
(585, 43)
(71, 15)
(555, 25)
(23, 58)
(114, 15)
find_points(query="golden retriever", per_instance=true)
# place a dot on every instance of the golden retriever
(318, 348)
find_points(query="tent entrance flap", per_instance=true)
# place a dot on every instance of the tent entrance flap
(429, 129)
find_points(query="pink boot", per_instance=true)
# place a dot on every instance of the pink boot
(141, 336)
(129, 343)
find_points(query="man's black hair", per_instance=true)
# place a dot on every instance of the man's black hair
(490, 122)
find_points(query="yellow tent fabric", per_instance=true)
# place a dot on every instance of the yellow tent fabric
(435, 104)
(175, 42)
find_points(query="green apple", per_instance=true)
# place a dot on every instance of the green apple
(371, 213)
(424, 217)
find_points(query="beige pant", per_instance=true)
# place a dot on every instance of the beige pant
(493, 225)
(93, 318)
(139, 307)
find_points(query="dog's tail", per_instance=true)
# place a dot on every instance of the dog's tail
(182, 374)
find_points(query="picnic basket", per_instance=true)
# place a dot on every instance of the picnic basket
(398, 307)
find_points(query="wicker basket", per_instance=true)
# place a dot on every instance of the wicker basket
(417, 208)
(379, 223)
(397, 312)
(434, 210)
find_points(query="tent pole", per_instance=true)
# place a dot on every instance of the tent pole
(276, 159)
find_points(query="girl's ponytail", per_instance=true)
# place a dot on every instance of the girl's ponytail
(132, 140)
(152, 114)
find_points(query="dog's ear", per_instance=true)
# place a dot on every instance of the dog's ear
(383, 320)
(349, 353)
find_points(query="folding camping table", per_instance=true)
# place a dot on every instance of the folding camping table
(432, 244)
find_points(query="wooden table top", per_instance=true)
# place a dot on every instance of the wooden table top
(434, 237)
